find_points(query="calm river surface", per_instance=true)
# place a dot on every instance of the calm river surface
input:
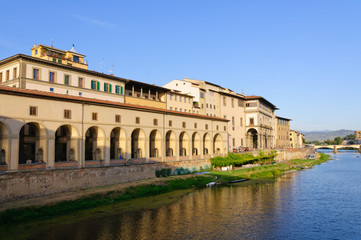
(319, 203)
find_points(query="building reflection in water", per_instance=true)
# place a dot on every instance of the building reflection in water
(237, 212)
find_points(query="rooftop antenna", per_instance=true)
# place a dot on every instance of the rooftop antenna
(112, 69)
(51, 43)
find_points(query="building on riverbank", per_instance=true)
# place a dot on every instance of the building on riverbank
(251, 118)
(296, 139)
(358, 135)
(282, 132)
(57, 113)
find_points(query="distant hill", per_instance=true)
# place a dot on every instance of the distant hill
(324, 135)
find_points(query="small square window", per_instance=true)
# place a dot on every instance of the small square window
(155, 122)
(80, 93)
(67, 114)
(95, 116)
(117, 118)
(137, 120)
(33, 111)
(51, 89)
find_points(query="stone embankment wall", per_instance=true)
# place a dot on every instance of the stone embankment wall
(289, 154)
(32, 183)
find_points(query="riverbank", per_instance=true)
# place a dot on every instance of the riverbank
(115, 194)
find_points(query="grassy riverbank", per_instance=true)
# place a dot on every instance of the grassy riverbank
(15, 216)
(166, 185)
(271, 170)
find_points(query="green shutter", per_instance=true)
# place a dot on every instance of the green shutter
(110, 88)
(104, 86)
(98, 86)
(121, 90)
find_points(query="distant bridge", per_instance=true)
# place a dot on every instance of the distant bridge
(336, 147)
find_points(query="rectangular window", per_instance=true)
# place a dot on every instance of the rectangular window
(195, 125)
(67, 114)
(232, 102)
(251, 121)
(52, 77)
(106, 87)
(66, 79)
(117, 118)
(36, 73)
(1, 77)
(54, 59)
(75, 59)
(155, 122)
(93, 84)
(217, 127)
(234, 141)
(185, 99)
(170, 96)
(170, 108)
(81, 82)
(241, 122)
(117, 89)
(137, 120)
(233, 121)
(241, 141)
(206, 126)
(7, 75)
(33, 111)
(170, 123)
(95, 116)
(14, 73)
(175, 98)
(51, 89)
(59, 61)
(225, 128)
(201, 95)
(184, 124)
(224, 101)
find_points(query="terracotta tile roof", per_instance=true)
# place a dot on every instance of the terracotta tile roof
(36, 93)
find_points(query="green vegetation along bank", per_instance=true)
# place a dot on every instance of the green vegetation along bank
(267, 171)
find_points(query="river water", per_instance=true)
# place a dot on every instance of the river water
(319, 203)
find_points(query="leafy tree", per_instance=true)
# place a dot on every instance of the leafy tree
(338, 141)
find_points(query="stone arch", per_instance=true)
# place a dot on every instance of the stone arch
(118, 143)
(218, 144)
(183, 144)
(4, 144)
(66, 147)
(32, 138)
(206, 144)
(170, 143)
(252, 135)
(138, 143)
(94, 144)
(196, 144)
(155, 144)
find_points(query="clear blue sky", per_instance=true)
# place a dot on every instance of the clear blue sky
(303, 56)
